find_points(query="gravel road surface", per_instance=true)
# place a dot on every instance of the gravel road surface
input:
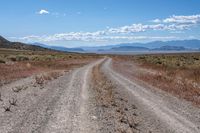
(63, 105)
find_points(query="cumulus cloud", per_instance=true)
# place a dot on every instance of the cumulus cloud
(173, 24)
(134, 28)
(128, 29)
(88, 37)
(108, 34)
(43, 11)
(190, 19)
(70, 36)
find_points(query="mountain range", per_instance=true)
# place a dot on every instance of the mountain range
(177, 45)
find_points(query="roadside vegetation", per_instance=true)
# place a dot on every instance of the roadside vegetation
(178, 74)
(16, 64)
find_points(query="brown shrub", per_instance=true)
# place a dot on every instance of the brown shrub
(2, 61)
(39, 80)
(54, 75)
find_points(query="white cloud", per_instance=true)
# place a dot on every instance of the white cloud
(192, 19)
(181, 19)
(156, 21)
(128, 29)
(123, 33)
(42, 11)
(70, 36)
(89, 37)
(174, 24)
(134, 28)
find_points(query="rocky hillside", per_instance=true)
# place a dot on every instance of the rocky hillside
(20, 46)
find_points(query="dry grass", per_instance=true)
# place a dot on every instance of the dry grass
(178, 74)
(41, 79)
(186, 64)
(16, 64)
(10, 72)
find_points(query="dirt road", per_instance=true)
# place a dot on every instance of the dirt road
(159, 111)
(58, 107)
(64, 105)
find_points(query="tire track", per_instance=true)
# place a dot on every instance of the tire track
(70, 114)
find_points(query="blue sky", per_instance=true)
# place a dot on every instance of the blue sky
(73, 23)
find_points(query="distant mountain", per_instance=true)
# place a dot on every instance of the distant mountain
(39, 44)
(97, 48)
(129, 48)
(190, 44)
(171, 48)
(144, 49)
(155, 45)
(4, 43)
(67, 49)
(59, 48)
(177, 45)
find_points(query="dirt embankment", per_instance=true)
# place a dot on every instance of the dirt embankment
(115, 112)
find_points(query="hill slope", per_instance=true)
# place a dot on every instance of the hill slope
(59, 48)
(20, 46)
